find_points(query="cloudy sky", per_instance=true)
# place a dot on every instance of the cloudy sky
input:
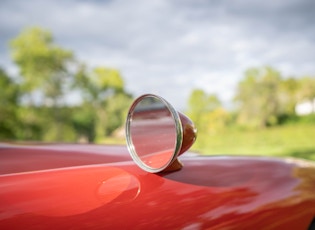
(170, 47)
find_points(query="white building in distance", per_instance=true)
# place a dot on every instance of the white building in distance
(305, 108)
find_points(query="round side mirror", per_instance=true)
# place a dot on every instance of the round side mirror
(156, 134)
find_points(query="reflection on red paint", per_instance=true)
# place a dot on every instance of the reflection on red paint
(63, 193)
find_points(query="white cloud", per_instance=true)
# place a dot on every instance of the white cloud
(170, 47)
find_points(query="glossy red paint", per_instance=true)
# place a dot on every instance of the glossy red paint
(97, 187)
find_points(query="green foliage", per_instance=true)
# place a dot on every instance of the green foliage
(295, 119)
(106, 79)
(44, 69)
(31, 127)
(288, 98)
(42, 64)
(200, 101)
(206, 112)
(306, 89)
(258, 97)
(39, 124)
(83, 122)
(51, 71)
(103, 90)
(99, 83)
(8, 106)
(117, 106)
(264, 99)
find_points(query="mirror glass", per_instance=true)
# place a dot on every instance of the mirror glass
(153, 132)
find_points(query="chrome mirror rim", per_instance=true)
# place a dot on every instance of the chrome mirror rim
(178, 128)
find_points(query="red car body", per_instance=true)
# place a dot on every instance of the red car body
(100, 187)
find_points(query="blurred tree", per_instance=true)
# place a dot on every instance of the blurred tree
(47, 74)
(32, 123)
(117, 107)
(43, 65)
(206, 111)
(8, 107)
(83, 121)
(258, 97)
(288, 95)
(307, 89)
(200, 101)
(103, 91)
(44, 70)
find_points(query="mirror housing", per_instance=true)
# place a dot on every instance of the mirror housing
(157, 134)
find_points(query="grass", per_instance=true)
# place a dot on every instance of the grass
(295, 140)
(292, 140)
(112, 141)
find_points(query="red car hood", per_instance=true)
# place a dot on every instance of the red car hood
(90, 186)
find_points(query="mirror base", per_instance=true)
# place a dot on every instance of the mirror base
(175, 166)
